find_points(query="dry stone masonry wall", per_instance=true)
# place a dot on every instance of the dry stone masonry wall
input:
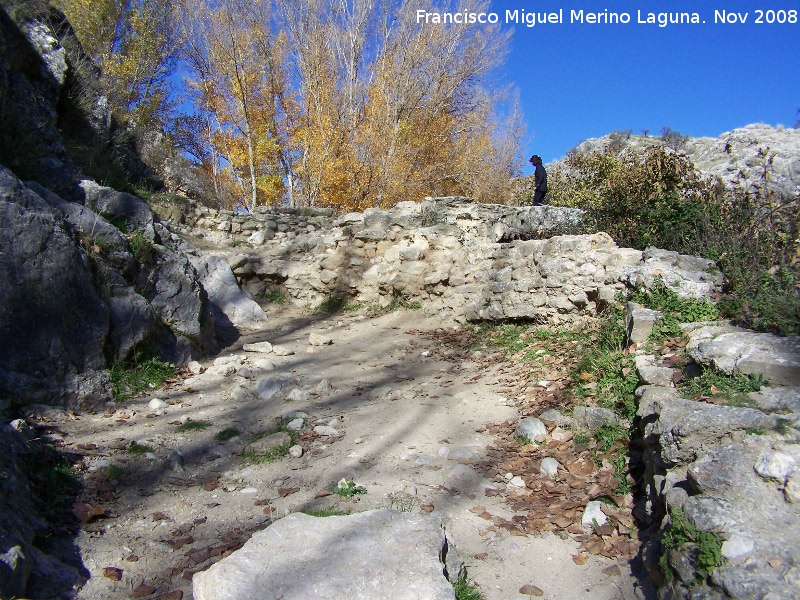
(460, 259)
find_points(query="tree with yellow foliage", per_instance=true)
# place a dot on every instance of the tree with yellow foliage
(393, 109)
(134, 43)
(237, 78)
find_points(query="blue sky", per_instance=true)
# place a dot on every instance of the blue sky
(582, 81)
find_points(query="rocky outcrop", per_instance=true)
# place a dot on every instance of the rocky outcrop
(734, 470)
(461, 260)
(374, 554)
(729, 349)
(230, 304)
(52, 320)
(74, 295)
(735, 157)
(25, 570)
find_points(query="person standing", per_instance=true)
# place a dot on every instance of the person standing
(540, 180)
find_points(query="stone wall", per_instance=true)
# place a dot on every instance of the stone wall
(460, 259)
(732, 468)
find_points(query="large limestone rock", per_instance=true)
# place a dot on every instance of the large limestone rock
(53, 322)
(229, 303)
(775, 358)
(25, 570)
(369, 555)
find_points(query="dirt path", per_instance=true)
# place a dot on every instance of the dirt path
(405, 410)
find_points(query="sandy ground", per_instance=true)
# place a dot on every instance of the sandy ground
(406, 425)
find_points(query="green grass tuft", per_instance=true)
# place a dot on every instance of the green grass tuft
(138, 449)
(227, 434)
(192, 426)
(327, 511)
(466, 590)
(130, 379)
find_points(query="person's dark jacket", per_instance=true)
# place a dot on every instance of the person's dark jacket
(540, 177)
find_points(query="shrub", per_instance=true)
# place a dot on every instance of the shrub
(659, 199)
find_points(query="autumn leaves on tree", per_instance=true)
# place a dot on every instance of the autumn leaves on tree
(344, 103)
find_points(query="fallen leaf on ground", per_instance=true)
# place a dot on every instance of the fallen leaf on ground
(160, 516)
(580, 559)
(143, 590)
(427, 508)
(112, 573)
(132, 558)
(323, 494)
(86, 512)
(482, 556)
(530, 590)
(283, 492)
(775, 562)
(181, 542)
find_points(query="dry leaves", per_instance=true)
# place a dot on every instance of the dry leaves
(112, 573)
(530, 590)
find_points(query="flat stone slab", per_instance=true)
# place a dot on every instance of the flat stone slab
(776, 358)
(374, 554)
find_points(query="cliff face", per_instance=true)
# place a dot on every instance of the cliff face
(75, 293)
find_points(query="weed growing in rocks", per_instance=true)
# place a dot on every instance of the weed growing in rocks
(522, 440)
(347, 488)
(192, 426)
(466, 590)
(401, 502)
(118, 221)
(581, 438)
(609, 433)
(732, 389)
(267, 457)
(275, 296)
(680, 534)
(276, 452)
(331, 304)
(130, 379)
(142, 249)
(676, 310)
(400, 301)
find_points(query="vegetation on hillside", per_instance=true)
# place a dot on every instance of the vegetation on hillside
(657, 198)
(304, 102)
